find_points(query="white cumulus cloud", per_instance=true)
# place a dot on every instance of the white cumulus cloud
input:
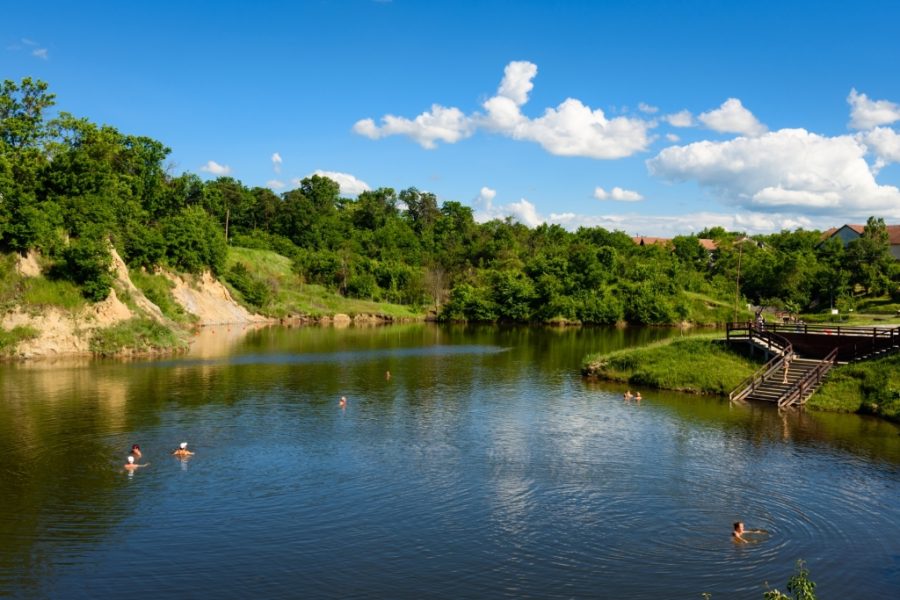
(276, 162)
(732, 117)
(682, 118)
(785, 170)
(216, 169)
(486, 197)
(439, 124)
(866, 114)
(522, 211)
(884, 143)
(685, 224)
(516, 83)
(618, 194)
(275, 184)
(350, 185)
(647, 108)
(570, 129)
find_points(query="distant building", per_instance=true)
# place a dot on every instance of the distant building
(642, 240)
(850, 232)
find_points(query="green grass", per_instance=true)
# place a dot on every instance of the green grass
(39, 292)
(882, 305)
(868, 387)
(10, 338)
(699, 365)
(137, 335)
(706, 310)
(158, 290)
(290, 296)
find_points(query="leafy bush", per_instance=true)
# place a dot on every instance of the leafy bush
(194, 241)
(252, 290)
(88, 263)
(468, 303)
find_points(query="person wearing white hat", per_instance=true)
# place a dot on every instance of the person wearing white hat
(182, 450)
(131, 465)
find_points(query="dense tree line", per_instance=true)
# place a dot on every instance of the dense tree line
(69, 188)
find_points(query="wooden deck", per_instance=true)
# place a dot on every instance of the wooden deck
(813, 350)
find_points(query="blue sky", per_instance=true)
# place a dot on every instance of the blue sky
(655, 118)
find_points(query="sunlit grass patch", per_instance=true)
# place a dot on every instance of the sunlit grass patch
(699, 364)
(137, 335)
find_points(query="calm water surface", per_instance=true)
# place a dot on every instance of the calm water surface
(485, 467)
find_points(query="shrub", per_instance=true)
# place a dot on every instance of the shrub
(252, 290)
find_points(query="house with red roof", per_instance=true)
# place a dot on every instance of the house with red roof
(848, 233)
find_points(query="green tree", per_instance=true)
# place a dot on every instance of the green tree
(869, 258)
(194, 241)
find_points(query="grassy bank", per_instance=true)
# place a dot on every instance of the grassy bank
(137, 336)
(10, 338)
(698, 365)
(267, 283)
(867, 387)
(705, 365)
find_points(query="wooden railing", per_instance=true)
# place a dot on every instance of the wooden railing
(800, 391)
(855, 343)
(782, 346)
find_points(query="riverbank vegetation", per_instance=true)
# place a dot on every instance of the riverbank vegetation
(269, 283)
(705, 365)
(72, 190)
(866, 387)
(698, 365)
(137, 336)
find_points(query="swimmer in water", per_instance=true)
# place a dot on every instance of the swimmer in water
(387, 375)
(638, 397)
(136, 451)
(343, 402)
(182, 450)
(628, 395)
(737, 534)
(131, 465)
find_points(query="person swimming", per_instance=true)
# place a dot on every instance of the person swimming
(628, 395)
(343, 402)
(182, 450)
(136, 451)
(131, 465)
(738, 532)
(637, 397)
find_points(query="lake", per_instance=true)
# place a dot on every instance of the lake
(484, 467)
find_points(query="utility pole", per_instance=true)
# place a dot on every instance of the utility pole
(737, 283)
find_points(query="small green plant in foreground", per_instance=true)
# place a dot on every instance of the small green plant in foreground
(799, 586)
(137, 335)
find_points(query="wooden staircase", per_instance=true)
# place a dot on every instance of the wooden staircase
(774, 388)
(769, 384)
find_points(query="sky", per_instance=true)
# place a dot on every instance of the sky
(654, 118)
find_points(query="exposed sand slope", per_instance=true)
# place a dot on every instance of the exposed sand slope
(211, 301)
(64, 333)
